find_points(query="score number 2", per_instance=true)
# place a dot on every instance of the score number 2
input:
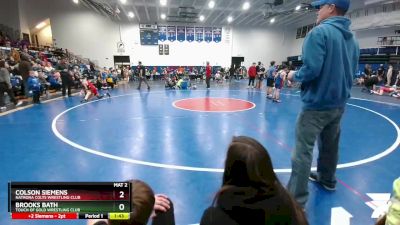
(121, 196)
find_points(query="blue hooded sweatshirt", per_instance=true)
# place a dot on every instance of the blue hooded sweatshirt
(330, 59)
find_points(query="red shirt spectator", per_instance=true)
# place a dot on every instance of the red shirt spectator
(252, 71)
(208, 71)
(181, 70)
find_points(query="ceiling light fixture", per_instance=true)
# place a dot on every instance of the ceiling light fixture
(163, 16)
(201, 18)
(41, 25)
(163, 2)
(272, 20)
(230, 19)
(298, 8)
(123, 1)
(246, 5)
(76, 1)
(131, 15)
(211, 4)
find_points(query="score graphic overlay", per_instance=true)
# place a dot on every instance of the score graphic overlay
(69, 200)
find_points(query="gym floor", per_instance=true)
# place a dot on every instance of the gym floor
(176, 141)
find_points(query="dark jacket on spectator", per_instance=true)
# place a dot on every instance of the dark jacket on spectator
(5, 77)
(245, 205)
(24, 68)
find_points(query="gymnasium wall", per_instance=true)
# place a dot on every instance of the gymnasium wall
(251, 43)
(367, 38)
(366, 28)
(259, 44)
(180, 53)
(73, 27)
(9, 14)
(93, 36)
(22, 17)
(45, 36)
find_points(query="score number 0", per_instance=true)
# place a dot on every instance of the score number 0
(121, 195)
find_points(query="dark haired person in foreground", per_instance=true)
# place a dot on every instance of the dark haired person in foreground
(251, 193)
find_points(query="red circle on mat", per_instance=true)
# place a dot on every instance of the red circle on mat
(214, 104)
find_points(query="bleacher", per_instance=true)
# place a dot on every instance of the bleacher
(388, 41)
(372, 56)
(390, 50)
(387, 52)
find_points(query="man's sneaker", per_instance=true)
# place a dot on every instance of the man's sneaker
(276, 100)
(314, 177)
(19, 103)
(3, 108)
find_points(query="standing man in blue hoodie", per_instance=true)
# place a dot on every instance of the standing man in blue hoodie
(330, 59)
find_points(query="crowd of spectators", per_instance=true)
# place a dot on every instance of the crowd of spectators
(31, 73)
(381, 81)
